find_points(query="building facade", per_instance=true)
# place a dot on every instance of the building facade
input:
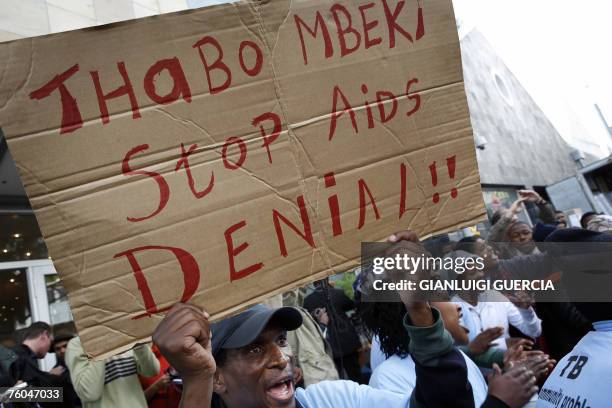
(29, 18)
(519, 148)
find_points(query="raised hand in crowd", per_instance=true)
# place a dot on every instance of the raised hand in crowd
(404, 235)
(407, 242)
(546, 211)
(513, 354)
(484, 340)
(540, 363)
(515, 386)
(530, 196)
(521, 299)
(535, 360)
(526, 344)
(184, 338)
(516, 207)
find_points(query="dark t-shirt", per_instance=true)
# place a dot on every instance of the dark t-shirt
(25, 368)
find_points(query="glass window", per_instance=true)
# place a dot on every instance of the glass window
(496, 198)
(59, 309)
(15, 313)
(20, 238)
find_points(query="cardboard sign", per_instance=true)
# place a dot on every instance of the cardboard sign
(222, 155)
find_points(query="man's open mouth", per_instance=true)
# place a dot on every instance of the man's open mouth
(281, 391)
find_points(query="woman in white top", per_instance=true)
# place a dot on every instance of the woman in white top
(397, 372)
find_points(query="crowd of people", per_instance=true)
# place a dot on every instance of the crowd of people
(324, 346)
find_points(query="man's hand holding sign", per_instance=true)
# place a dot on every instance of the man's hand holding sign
(407, 242)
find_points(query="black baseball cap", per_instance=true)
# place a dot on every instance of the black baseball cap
(244, 328)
